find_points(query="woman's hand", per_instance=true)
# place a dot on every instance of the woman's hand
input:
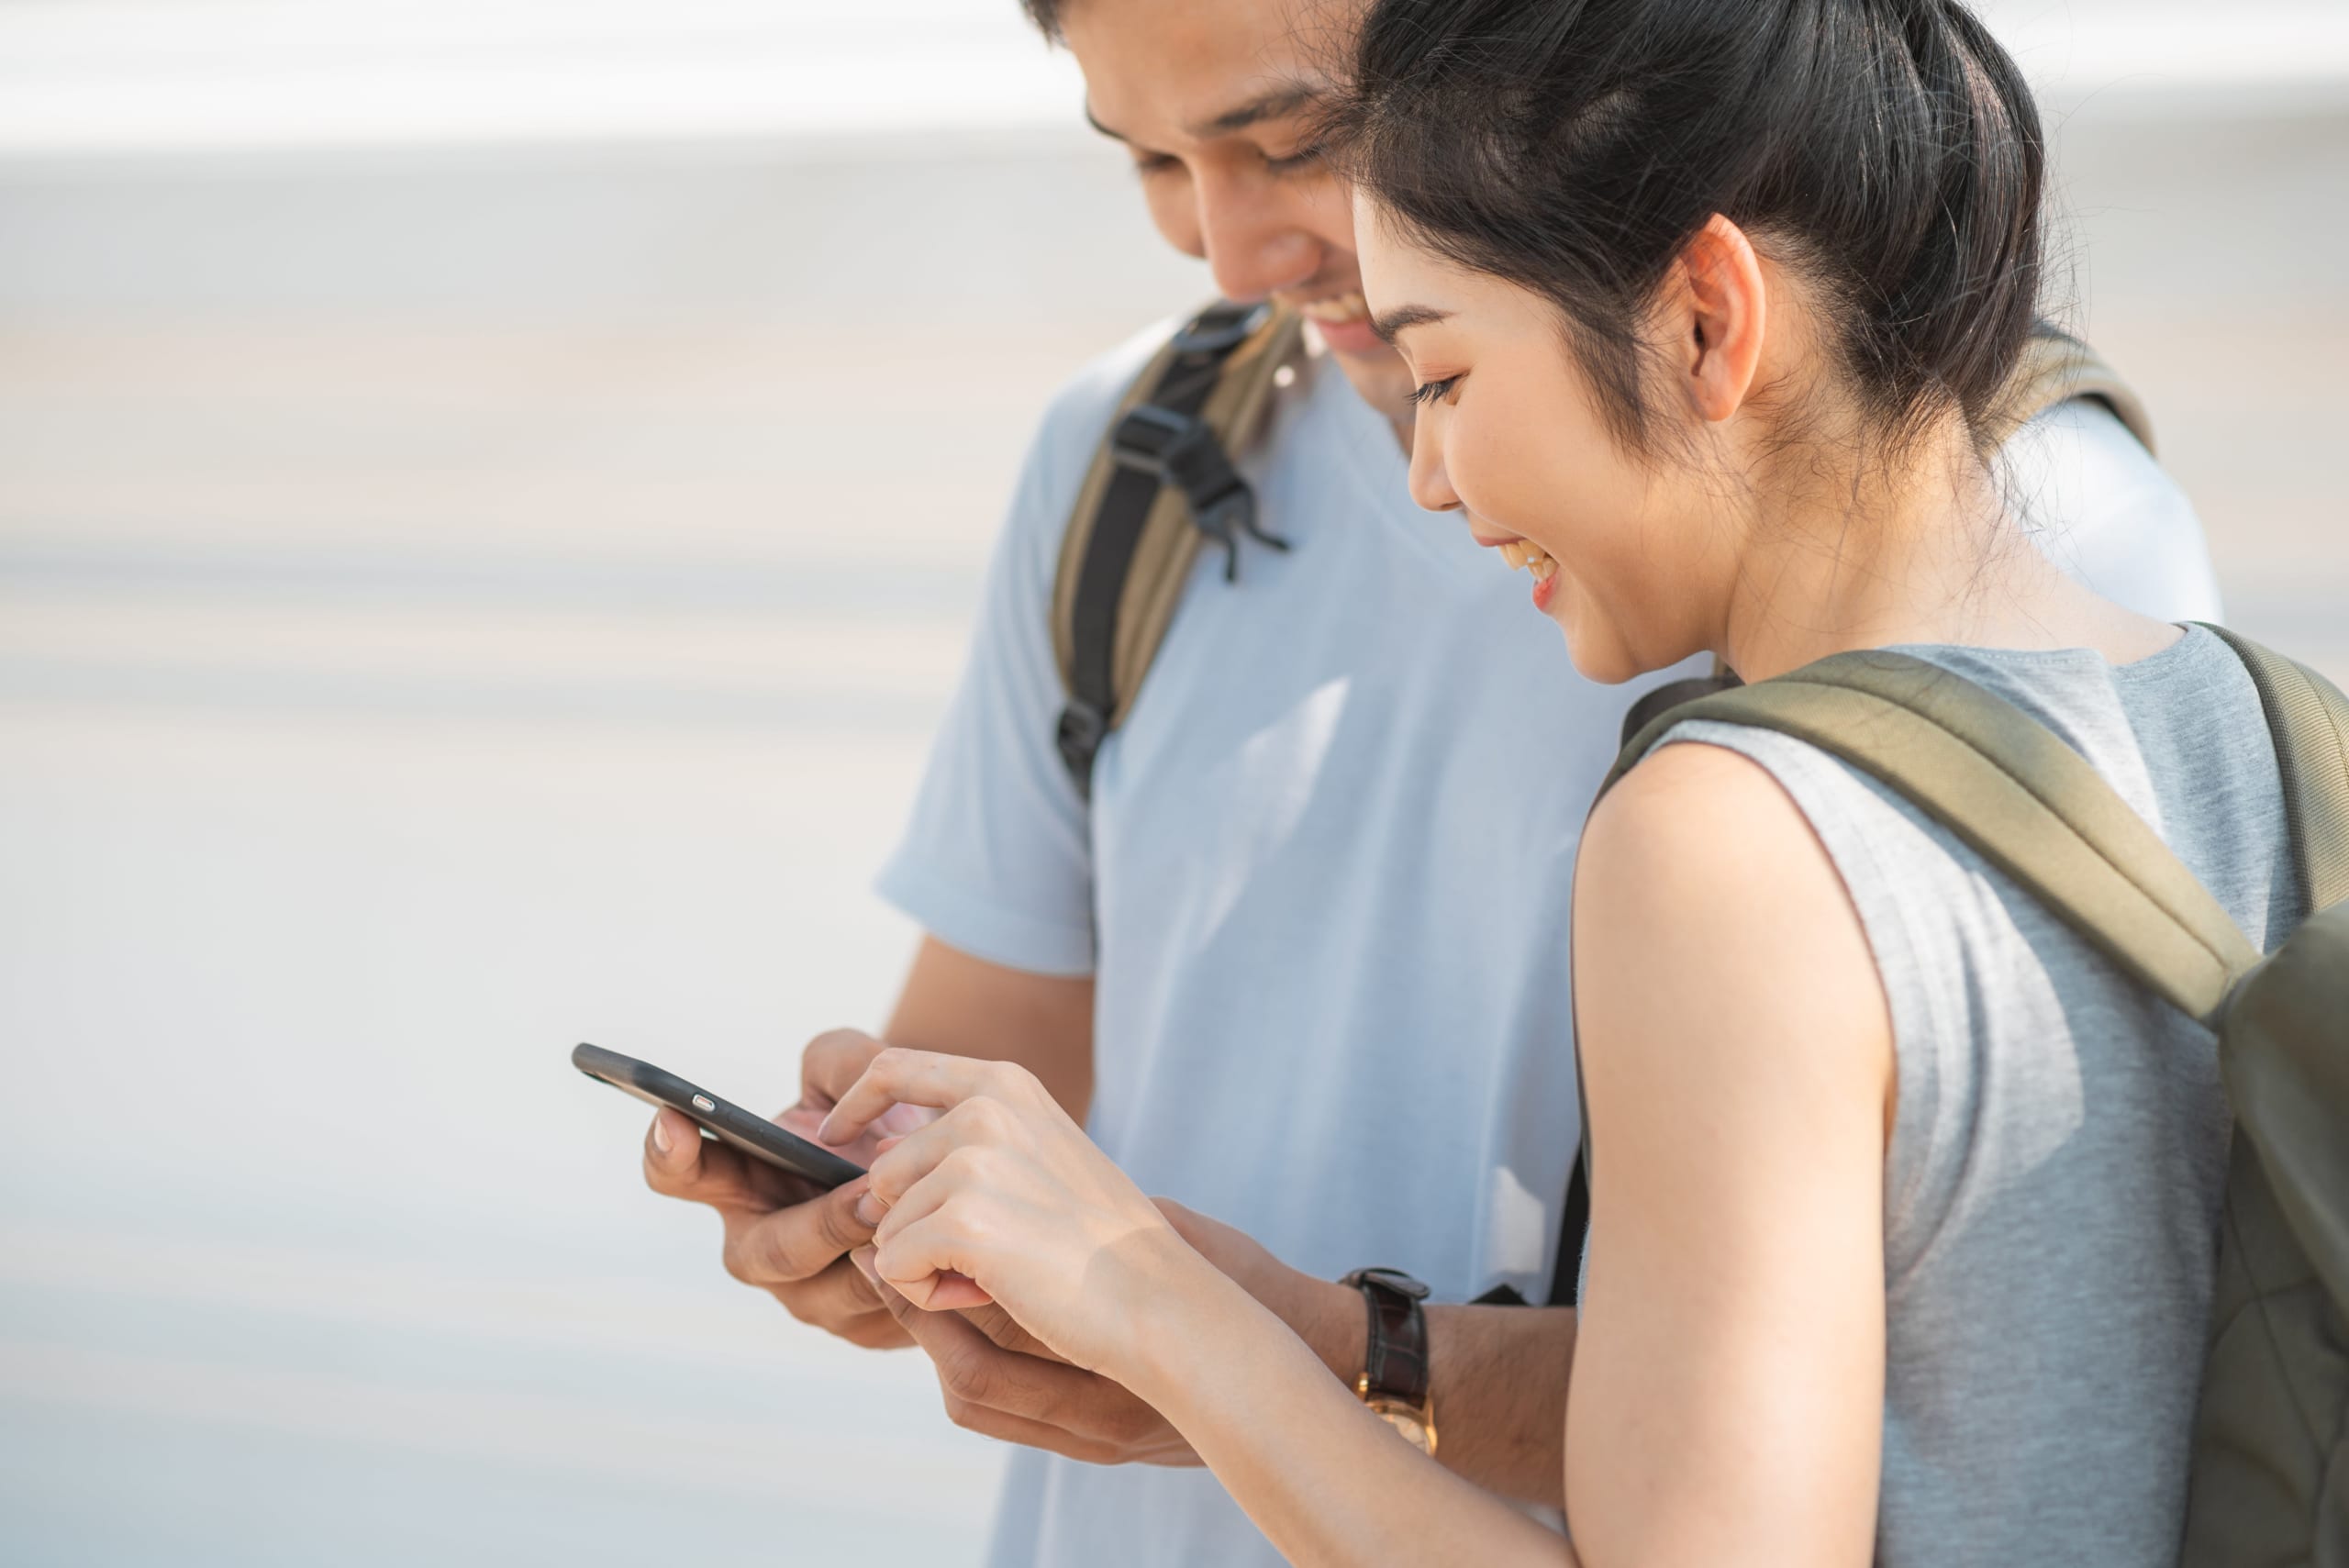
(1004, 1198)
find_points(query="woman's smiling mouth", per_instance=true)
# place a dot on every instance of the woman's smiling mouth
(1523, 554)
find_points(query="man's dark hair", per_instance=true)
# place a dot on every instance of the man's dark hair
(1046, 15)
(1887, 150)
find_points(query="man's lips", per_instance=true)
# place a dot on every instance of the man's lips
(1352, 338)
(1343, 320)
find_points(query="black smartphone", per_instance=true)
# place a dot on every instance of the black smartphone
(753, 1135)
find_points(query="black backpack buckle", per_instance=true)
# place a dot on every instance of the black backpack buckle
(1081, 729)
(1181, 450)
(1220, 328)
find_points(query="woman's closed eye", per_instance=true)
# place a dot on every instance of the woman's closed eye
(1429, 392)
(1304, 157)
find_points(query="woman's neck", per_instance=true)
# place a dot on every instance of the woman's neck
(1920, 551)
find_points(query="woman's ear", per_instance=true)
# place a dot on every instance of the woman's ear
(1719, 311)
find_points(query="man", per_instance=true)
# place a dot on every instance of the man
(1300, 958)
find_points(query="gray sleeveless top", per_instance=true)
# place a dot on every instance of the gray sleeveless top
(2052, 1189)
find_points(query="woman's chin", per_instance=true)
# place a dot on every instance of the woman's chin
(1598, 652)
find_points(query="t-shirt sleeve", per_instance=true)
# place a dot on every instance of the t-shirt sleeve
(2110, 515)
(997, 858)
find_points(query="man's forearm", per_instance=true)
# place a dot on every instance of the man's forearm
(1498, 1375)
(1499, 1378)
(966, 1006)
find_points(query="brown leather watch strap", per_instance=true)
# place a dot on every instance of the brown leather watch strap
(1395, 1358)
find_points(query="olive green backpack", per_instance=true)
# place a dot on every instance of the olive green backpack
(2270, 1482)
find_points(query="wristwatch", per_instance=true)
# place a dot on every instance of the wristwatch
(1394, 1381)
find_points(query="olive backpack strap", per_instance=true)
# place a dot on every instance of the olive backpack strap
(2055, 367)
(1162, 483)
(2310, 719)
(2012, 790)
(1653, 704)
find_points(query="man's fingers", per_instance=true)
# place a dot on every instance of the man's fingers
(1005, 1331)
(671, 1152)
(797, 1243)
(872, 1330)
(1028, 1399)
(832, 1062)
(1188, 1222)
(974, 1369)
(680, 1163)
(1004, 1426)
(801, 1120)
(832, 1298)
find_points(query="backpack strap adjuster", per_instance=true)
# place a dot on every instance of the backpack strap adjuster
(1160, 484)
(1182, 450)
(1082, 728)
(1220, 328)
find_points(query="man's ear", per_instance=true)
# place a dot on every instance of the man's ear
(1719, 311)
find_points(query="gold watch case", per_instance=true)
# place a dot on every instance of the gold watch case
(1415, 1423)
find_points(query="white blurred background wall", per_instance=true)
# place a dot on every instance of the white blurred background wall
(491, 498)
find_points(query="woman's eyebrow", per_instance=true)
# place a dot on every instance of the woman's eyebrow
(1404, 316)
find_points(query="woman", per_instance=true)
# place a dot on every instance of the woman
(1901, 1243)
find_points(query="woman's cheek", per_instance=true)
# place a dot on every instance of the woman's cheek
(1498, 465)
(1488, 472)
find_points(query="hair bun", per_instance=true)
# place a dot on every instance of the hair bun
(1891, 147)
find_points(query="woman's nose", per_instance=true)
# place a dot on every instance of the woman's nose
(1431, 484)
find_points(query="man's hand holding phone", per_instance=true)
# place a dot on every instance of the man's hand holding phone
(791, 1237)
(784, 1233)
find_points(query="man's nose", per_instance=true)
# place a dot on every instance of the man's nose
(1252, 248)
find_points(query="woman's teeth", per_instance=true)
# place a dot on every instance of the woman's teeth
(1518, 553)
(1337, 310)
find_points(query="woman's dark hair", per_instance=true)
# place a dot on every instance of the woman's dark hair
(1887, 150)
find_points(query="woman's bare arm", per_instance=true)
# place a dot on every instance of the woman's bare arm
(1727, 1404)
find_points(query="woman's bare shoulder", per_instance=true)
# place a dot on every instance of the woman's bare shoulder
(1703, 896)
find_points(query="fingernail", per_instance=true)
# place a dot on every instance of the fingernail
(869, 1209)
(824, 1133)
(862, 1258)
(660, 1136)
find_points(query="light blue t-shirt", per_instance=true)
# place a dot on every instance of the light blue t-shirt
(1323, 883)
